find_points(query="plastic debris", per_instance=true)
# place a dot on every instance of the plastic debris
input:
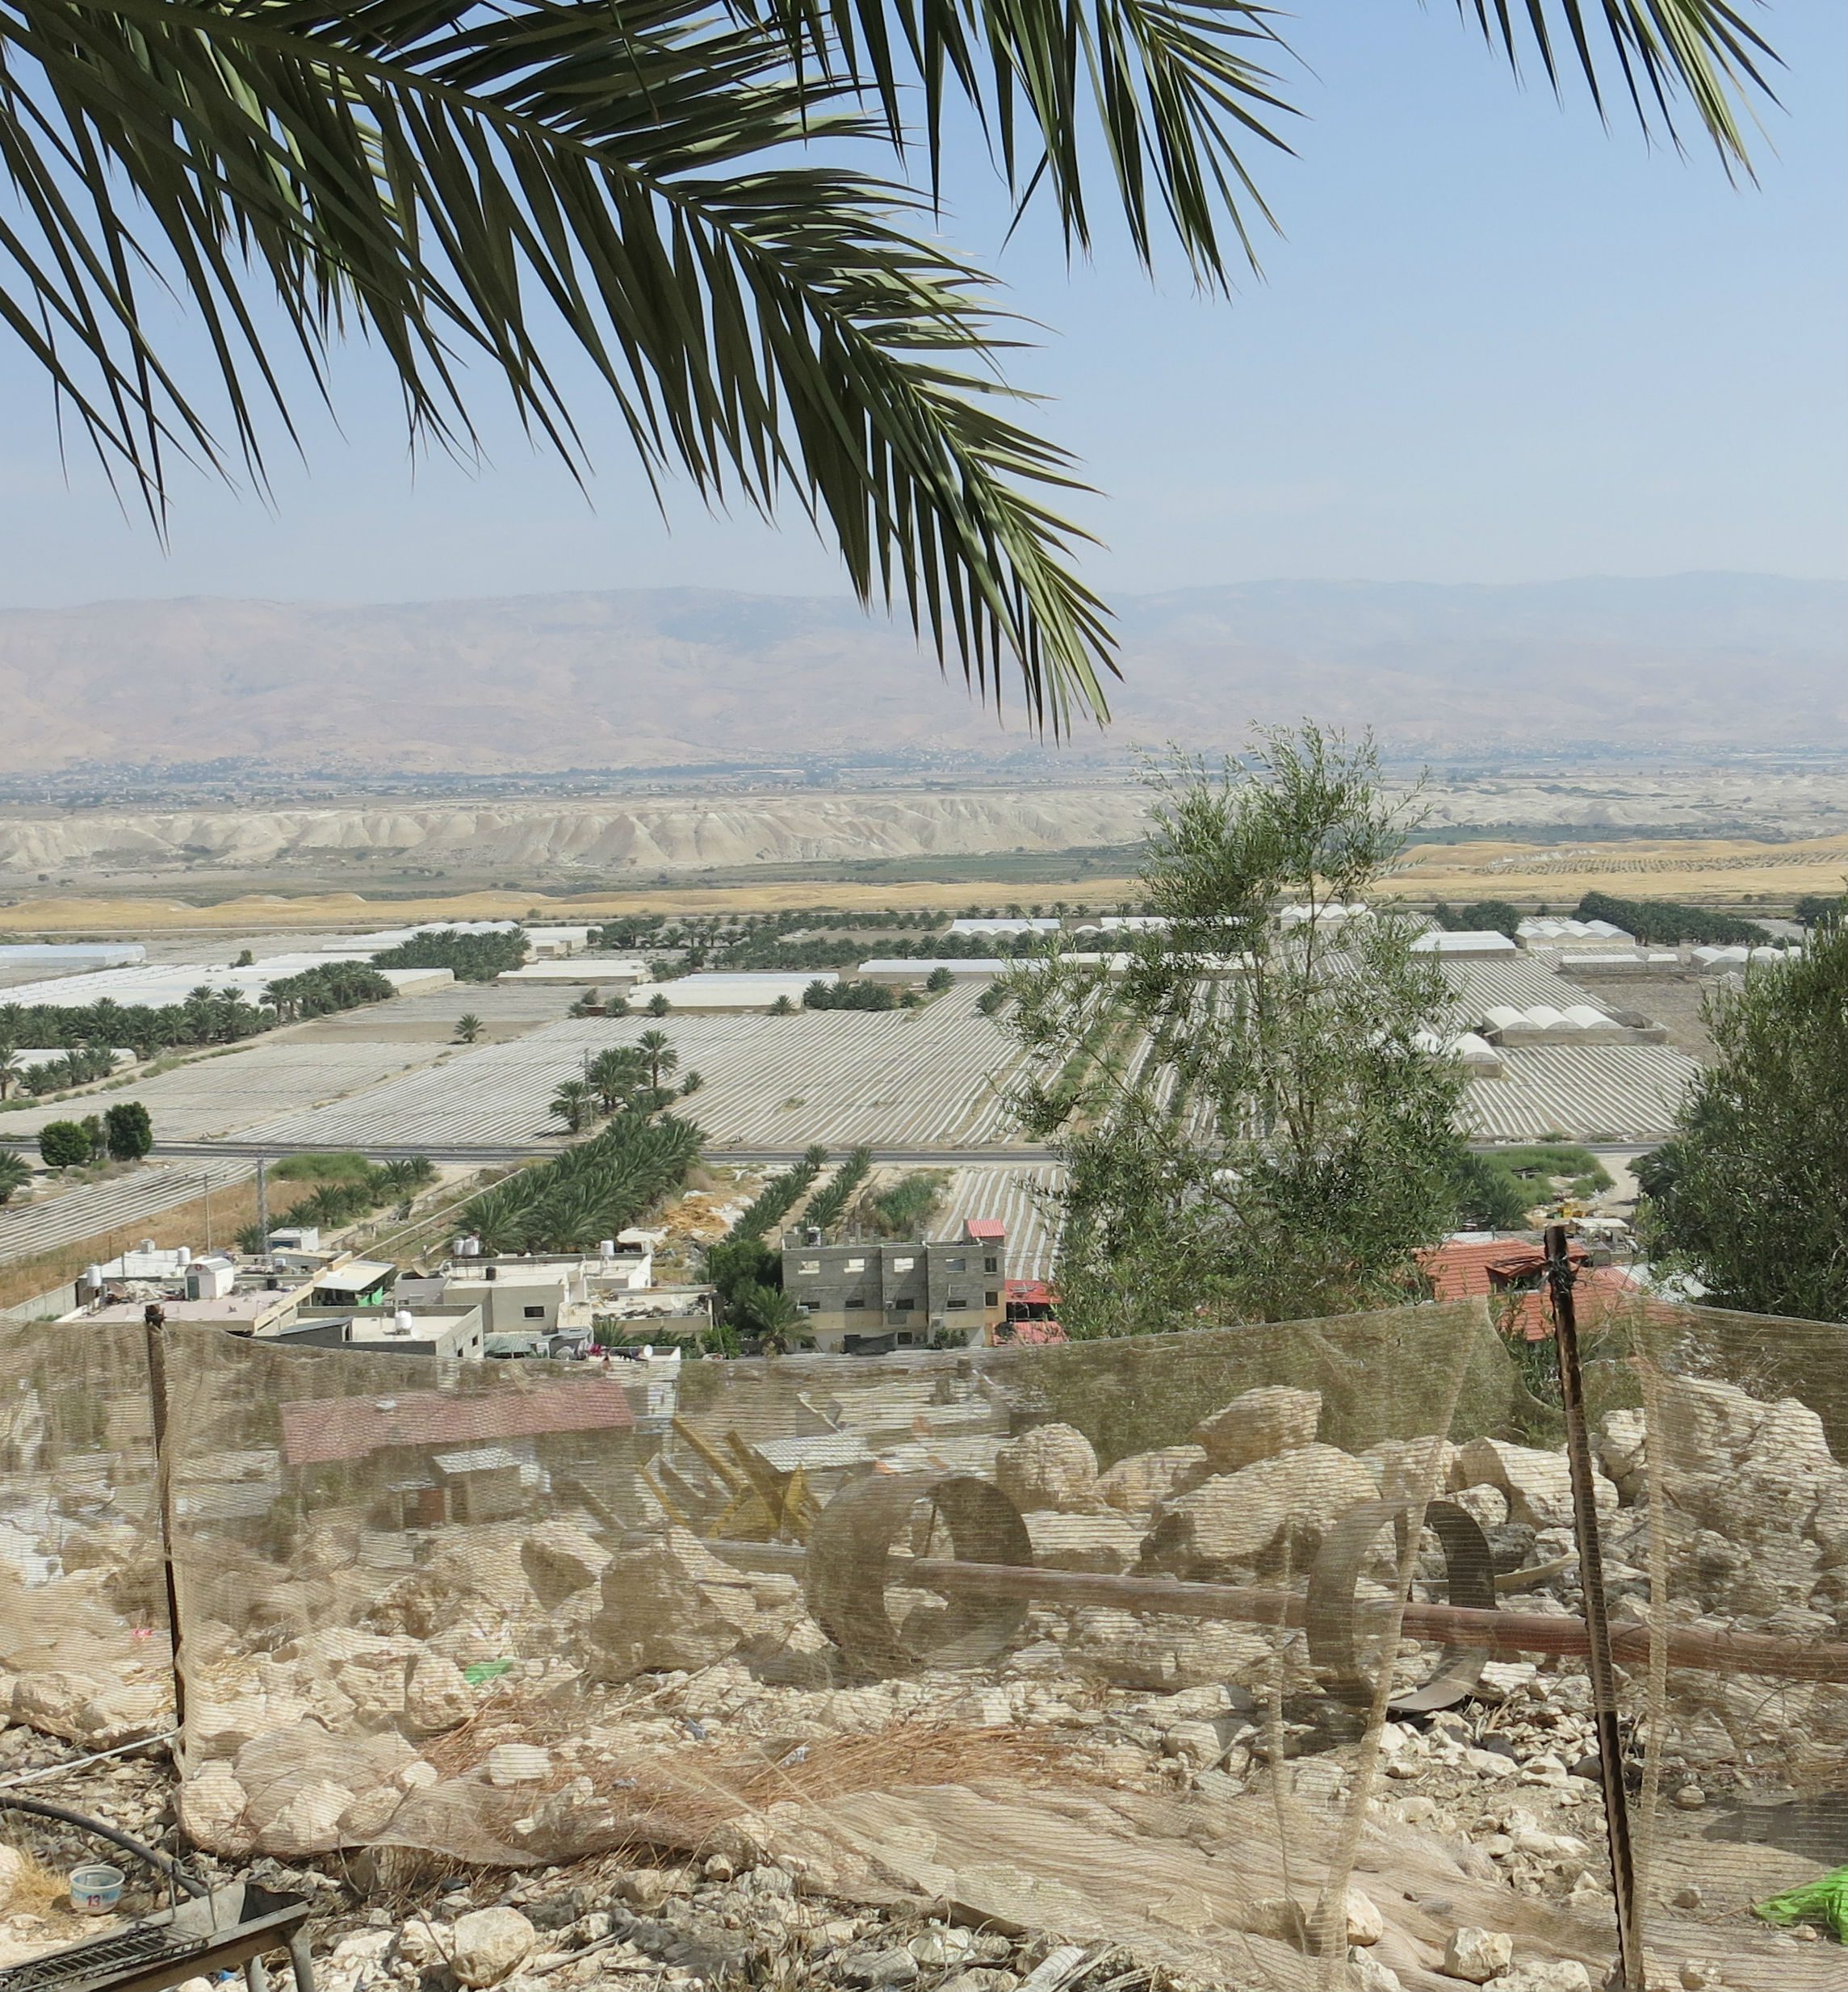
(1825, 1902)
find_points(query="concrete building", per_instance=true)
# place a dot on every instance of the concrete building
(900, 970)
(872, 1297)
(453, 1333)
(617, 975)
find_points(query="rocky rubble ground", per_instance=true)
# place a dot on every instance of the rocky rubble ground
(659, 1700)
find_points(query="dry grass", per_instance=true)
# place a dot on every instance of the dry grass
(1727, 871)
(232, 1209)
(256, 913)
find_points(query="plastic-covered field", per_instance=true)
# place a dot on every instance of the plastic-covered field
(222, 1092)
(929, 1078)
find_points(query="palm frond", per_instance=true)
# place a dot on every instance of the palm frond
(460, 185)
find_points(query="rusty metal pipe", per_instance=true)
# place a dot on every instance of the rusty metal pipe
(1510, 1635)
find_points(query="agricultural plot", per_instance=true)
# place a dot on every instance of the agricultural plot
(1020, 1197)
(99, 1208)
(930, 1078)
(1598, 1093)
(216, 1094)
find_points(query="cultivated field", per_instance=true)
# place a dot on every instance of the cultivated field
(99, 1209)
(930, 1078)
(212, 1096)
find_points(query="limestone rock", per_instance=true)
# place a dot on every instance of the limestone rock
(370, 1813)
(1621, 1448)
(1049, 1466)
(1478, 1956)
(1106, 1543)
(437, 1696)
(668, 1603)
(487, 1945)
(560, 1559)
(508, 1765)
(1564, 1974)
(1275, 1509)
(127, 1714)
(1142, 1482)
(12, 1871)
(211, 1806)
(1258, 1424)
(1538, 1485)
(308, 1822)
(54, 1701)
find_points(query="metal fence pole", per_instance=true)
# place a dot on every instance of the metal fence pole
(1598, 1664)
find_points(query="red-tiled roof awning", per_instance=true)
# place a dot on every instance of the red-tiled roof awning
(315, 1430)
(985, 1231)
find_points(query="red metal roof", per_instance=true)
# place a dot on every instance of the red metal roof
(1503, 1267)
(319, 1429)
(984, 1231)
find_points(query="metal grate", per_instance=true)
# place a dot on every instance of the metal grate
(101, 1959)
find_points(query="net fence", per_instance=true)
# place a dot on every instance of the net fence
(1259, 1653)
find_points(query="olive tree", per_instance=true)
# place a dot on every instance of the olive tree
(1255, 1111)
(1751, 1195)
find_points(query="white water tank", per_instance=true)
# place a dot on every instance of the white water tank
(606, 1248)
(402, 1322)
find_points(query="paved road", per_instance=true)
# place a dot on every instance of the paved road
(101, 1208)
(486, 1155)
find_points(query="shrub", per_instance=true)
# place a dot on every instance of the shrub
(65, 1144)
(127, 1131)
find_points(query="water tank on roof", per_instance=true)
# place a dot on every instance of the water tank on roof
(183, 1256)
(606, 1248)
(401, 1321)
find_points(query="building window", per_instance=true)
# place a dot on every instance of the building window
(955, 1300)
(904, 1304)
(533, 1313)
(956, 1265)
(991, 1300)
(855, 1265)
(990, 1265)
(854, 1300)
(903, 1265)
(809, 1266)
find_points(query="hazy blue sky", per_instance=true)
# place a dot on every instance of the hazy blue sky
(1494, 343)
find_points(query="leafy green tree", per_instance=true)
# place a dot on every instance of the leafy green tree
(671, 195)
(1256, 1116)
(617, 1074)
(1484, 916)
(1489, 1196)
(16, 1173)
(65, 1145)
(467, 1028)
(1751, 1194)
(469, 957)
(128, 1131)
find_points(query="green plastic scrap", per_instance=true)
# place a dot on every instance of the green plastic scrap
(1825, 1902)
(485, 1671)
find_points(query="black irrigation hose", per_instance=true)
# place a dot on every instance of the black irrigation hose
(45, 1809)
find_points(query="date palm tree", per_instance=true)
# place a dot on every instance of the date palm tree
(669, 191)
(467, 1028)
(16, 1173)
(655, 1046)
(574, 1103)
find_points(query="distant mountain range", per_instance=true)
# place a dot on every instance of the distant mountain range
(683, 678)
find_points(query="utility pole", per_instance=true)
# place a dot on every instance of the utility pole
(206, 1178)
(262, 1208)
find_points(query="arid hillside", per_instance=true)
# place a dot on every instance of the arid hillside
(688, 679)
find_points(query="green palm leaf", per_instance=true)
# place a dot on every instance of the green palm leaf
(662, 185)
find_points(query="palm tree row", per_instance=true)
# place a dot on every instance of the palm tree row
(588, 1193)
(667, 191)
(779, 1195)
(828, 1206)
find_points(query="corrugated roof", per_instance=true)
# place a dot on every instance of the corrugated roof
(315, 1430)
